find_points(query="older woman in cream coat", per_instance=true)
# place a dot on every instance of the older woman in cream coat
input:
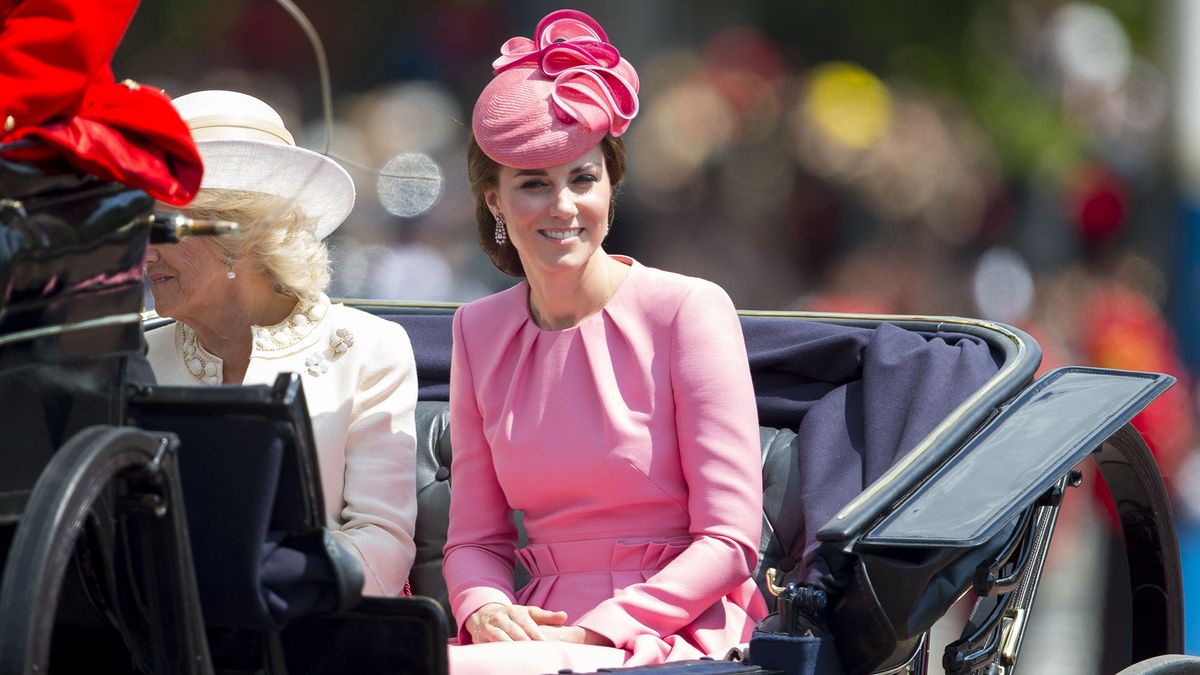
(251, 306)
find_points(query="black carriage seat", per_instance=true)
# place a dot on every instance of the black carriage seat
(863, 391)
(272, 580)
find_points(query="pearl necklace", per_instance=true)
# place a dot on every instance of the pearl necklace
(205, 367)
(304, 319)
(201, 365)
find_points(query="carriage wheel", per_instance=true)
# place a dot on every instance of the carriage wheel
(1151, 545)
(50, 526)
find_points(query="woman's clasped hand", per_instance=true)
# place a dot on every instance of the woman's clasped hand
(495, 622)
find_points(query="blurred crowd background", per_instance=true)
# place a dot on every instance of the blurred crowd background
(1035, 162)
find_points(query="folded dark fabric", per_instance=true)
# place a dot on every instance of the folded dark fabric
(431, 339)
(296, 577)
(859, 400)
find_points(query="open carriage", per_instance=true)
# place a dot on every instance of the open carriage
(165, 529)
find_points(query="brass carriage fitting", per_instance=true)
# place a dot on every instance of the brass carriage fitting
(772, 577)
(1012, 630)
(797, 605)
(16, 205)
(172, 227)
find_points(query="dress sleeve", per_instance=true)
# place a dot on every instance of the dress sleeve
(380, 512)
(51, 50)
(716, 421)
(478, 558)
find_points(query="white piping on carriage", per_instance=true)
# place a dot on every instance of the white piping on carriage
(896, 469)
(395, 304)
(35, 333)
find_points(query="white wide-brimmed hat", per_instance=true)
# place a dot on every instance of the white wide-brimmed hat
(245, 146)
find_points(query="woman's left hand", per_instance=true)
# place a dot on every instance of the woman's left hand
(575, 634)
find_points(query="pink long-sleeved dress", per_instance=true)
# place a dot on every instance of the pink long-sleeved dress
(630, 443)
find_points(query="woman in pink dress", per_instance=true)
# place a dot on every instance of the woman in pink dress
(609, 402)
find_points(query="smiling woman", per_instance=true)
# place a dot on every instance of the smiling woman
(251, 306)
(608, 401)
(556, 219)
(180, 276)
(483, 173)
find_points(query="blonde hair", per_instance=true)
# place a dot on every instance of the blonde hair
(274, 236)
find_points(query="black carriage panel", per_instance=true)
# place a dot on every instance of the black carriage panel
(71, 251)
(270, 575)
(255, 512)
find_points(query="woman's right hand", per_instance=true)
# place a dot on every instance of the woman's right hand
(495, 622)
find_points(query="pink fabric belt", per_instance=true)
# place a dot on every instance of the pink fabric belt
(602, 555)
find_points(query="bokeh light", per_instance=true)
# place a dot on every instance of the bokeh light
(681, 129)
(1002, 286)
(848, 103)
(417, 116)
(409, 184)
(1090, 44)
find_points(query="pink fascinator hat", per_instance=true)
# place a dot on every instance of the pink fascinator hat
(555, 97)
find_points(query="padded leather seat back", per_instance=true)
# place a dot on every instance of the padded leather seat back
(433, 499)
(782, 542)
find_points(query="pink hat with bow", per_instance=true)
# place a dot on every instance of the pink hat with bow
(555, 97)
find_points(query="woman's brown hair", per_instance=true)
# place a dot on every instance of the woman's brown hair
(483, 174)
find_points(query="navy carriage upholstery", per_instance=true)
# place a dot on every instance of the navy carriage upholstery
(863, 395)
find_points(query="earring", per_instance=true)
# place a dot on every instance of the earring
(501, 234)
(230, 275)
